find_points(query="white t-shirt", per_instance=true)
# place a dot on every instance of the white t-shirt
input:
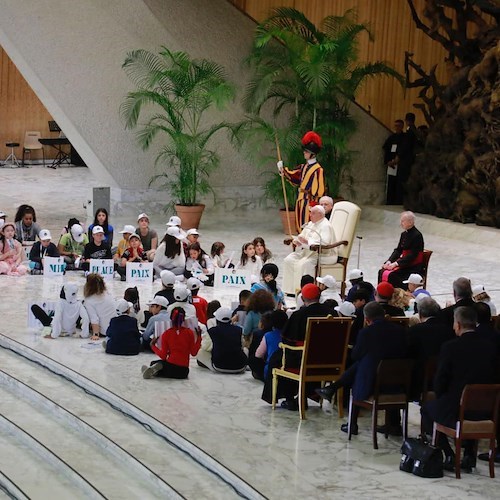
(101, 308)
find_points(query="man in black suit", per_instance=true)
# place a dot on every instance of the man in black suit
(468, 359)
(425, 340)
(383, 295)
(462, 292)
(379, 340)
(407, 257)
(294, 333)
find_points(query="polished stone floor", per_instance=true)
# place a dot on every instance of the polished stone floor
(223, 414)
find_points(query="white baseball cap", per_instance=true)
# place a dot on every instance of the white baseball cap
(194, 284)
(44, 235)
(181, 292)
(77, 232)
(2, 214)
(346, 309)
(192, 231)
(133, 235)
(176, 232)
(122, 306)
(355, 274)
(159, 300)
(142, 216)
(223, 314)
(167, 277)
(70, 292)
(97, 230)
(174, 221)
(476, 290)
(328, 281)
(128, 228)
(414, 279)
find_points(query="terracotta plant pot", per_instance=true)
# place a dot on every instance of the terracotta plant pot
(288, 221)
(190, 215)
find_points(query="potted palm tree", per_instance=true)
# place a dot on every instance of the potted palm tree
(180, 92)
(307, 75)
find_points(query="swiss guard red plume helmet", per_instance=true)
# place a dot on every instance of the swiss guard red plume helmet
(312, 142)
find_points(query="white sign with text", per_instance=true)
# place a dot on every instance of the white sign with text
(139, 272)
(234, 279)
(104, 267)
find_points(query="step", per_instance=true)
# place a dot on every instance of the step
(167, 462)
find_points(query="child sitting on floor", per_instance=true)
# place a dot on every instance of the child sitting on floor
(122, 336)
(174, 348)
(11, 252)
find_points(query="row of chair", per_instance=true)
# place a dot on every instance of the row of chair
(324, 354)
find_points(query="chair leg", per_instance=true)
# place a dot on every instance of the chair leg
(22, 162)
(405, 422)
(302, 401)
(492, 457)
(458, 454)
(274, 390)
(340, 402)
(434, 434)
(349, 422)
(43, 157)
(374, 426)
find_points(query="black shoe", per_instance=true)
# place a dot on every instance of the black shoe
(486, 457)
(327, 392)
(449, 463)
(468, 463)
(392, 430)
(290, 404)
(345, 428)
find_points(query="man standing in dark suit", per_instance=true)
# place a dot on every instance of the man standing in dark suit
(468, 359)
(462, 292)
(294, 333)
(379, 340)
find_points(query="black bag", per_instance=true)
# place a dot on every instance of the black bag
(421, 458)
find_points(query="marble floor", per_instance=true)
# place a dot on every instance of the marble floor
(223, 415)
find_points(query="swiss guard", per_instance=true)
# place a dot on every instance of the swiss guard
(309, 177)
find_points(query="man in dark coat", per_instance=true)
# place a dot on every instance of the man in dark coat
(407, 257)
(462, 292)
(294, 333)
(379, 340)
(391, 147)
(468, 359)
(425, 340)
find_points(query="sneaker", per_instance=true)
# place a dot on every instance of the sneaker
(46, 331)
(151, 371)
(36, 272)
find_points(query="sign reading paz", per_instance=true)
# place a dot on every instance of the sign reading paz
(231, 278)
(139, 272)
(104, 267)
(53, 266)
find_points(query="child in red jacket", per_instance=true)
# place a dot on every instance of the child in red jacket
(174, 348)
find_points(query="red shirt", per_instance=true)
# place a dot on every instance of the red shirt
(176, 345)
(200, 305)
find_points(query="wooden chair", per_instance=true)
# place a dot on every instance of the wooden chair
(391, 374)
(425, 265)
(323, 357)
(484, 400)
(403, 321)
(344, 219)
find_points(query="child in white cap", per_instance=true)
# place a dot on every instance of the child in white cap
(40, 250)
(122, 336)
(72, 245)
(127, 230)
(415, 284)
(328, 287)
(479, 294)
(157, 314)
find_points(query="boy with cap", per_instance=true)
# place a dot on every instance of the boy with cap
(200, 304)
(158, 309)
(356, 278)
(72, 245)
(41, 249)
(415, 284)
(127, 230)
(168, 280)
(149, 237)
(96, 249)
(122, 336)
(327, 285)
(227, 354)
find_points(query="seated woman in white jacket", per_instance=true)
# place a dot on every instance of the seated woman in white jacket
(100, 305)
(170, 254)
